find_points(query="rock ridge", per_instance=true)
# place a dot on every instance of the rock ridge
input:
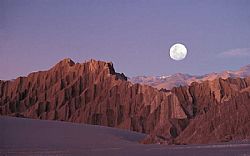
(92, 92)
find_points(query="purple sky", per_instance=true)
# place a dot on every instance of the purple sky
(134, 34)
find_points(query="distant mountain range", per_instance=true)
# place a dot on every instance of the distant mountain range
(179, 79)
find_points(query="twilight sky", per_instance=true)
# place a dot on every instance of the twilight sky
(134, 34)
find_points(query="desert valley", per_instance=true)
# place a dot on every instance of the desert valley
(204, 112)
(124, 77)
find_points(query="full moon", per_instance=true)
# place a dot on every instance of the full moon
(178, 52)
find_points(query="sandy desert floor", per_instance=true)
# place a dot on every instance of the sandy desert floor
(28, 137)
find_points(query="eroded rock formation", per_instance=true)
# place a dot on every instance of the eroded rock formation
(93, 93)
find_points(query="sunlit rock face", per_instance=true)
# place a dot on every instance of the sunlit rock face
(93, 93)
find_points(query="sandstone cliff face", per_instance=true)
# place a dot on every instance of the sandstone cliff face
(92, 92)
(220, 111)
(88, 93)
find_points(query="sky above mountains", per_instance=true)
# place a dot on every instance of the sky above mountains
(134, 34)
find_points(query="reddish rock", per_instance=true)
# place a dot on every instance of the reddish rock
(92, 92)
(220, 110)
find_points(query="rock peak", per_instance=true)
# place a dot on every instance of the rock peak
(66, 61)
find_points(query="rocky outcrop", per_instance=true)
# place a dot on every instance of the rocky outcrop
(93, 93)
(220, 111)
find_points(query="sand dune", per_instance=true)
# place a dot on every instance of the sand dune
(19, 136)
